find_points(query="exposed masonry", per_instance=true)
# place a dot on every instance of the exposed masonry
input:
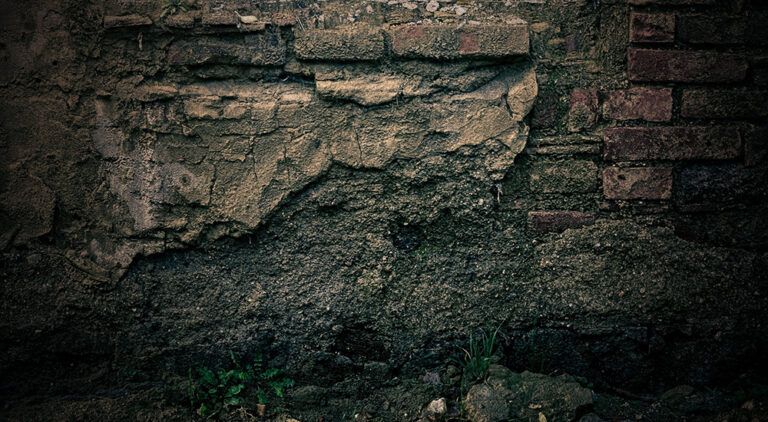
(217, 157)
(700, 64)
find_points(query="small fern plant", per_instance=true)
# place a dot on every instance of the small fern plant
(213, 391)
(269, 381)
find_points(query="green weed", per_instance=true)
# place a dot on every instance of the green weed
(476, 360)
(536, 352)
(212, 391)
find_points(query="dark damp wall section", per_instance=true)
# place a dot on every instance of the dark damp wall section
(353, 187)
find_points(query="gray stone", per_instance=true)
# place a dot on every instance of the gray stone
(486, 404)
(525, 397)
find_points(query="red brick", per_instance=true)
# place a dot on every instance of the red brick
(685, 66)
(672, 143)
(651, 28)
(583, 111)
(557, 221)
(670, 2)
(637, 183)
(650, 104)
(452, 41)
(703, 29)
(724, 103)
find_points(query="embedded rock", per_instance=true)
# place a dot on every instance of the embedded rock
(525, 396)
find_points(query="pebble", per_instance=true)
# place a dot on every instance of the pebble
(460, 10)
(436, 409)
(432, 6)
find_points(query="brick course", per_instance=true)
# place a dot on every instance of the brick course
(650, 104)
(672, 143)
(261, 50)
(451, 41)
(724, 104)
(360, 43)
(685, 66)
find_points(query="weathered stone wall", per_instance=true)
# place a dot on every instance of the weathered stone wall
(357, 184)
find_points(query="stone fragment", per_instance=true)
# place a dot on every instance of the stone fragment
(366, 90)
(584, 108)
(486, 404)
(347, 44)
(522, 93)
(126, 21)
(155, 92)
(261, 50)
(526, 396)
(436, 409)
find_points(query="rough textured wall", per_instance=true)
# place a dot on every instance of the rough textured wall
(357, 185)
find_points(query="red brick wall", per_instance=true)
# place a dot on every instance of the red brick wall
(694, 97)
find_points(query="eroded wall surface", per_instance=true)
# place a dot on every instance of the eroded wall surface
(353, 183)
